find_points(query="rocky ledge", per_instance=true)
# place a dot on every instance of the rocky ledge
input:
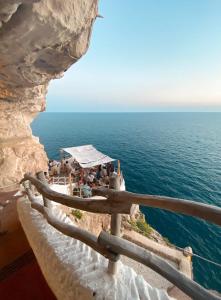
(98, 222)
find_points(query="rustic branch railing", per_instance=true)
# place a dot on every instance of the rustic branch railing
(103, 206)
(156, 263)
(116, 202)
(75, 232)
(207, 212)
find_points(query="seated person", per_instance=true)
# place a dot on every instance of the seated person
(75, 164)
(93, 184)
(85, 173)
(76, 189)
(86, 189)
(103, 171)
(106, 180)
(90, 177)
(98, 174)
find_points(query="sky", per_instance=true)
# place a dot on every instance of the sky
(147, 55)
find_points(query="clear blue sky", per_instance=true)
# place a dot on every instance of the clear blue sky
(147, 55)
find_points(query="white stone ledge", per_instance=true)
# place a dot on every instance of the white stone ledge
(75, 271)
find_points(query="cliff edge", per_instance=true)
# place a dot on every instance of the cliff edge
(40, 39)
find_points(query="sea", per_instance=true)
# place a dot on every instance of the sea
(170, 154)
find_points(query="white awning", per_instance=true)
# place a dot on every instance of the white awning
(88, 156)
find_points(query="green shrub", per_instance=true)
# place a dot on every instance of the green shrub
(141, 226)
(77, 213)
(144, 228)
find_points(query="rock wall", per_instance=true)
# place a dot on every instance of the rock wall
(39, 40)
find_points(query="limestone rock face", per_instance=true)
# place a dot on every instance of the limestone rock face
(39, 40)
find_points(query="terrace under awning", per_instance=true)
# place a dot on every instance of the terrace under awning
(88, 156)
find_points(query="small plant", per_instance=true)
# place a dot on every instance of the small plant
(133, 224)
(77, 213)
(141, 226)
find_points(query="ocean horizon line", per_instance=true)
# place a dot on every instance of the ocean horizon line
(133, 112)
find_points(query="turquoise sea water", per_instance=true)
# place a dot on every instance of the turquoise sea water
(172, 154)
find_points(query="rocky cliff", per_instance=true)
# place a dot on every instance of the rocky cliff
(39, 41)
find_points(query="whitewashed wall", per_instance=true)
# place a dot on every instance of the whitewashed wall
(75, 271)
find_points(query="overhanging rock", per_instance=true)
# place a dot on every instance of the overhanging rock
(39, 40)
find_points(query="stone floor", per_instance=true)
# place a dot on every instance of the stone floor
(12, 245)
(13, 242)
(25, 276)
(16, 268)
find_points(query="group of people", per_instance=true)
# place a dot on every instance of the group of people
(98, 173)
(54, 167)
(84, 179)
(97, 176)
(93, 177)
(64, 167)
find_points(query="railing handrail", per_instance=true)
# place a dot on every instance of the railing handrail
(159, 265)
(104, 206)
(204, 211)
(122, 201)
(74, 232)
(59, 179)
(111, 246)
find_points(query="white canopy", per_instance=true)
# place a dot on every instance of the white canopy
(88, 156)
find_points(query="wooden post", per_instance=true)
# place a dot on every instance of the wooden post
(41, 177)
(61, 152)
(115, 223)
(70, 185)
(118, 167)
(31, 187)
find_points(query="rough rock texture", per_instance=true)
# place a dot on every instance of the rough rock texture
(94, 223)
(39, 40)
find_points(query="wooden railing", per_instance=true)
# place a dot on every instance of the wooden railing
(59, 180)
(110, 245)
